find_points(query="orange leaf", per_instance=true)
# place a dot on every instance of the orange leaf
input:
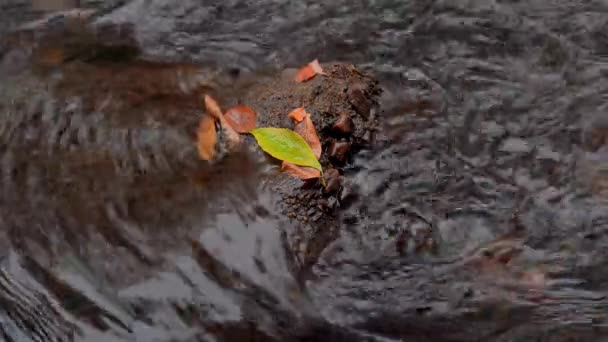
(206, 138)
(298, 114)
(308, 72)
(214, 110)
(241, 118)
(306, 129)
(302, 172)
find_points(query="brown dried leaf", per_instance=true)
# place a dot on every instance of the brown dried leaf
(206, 138)
(302, 172)
(308, 72)
(241, 118)
(306, 129)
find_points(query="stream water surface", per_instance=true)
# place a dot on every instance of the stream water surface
(480, 213)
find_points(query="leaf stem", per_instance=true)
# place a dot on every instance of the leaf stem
(323, 179)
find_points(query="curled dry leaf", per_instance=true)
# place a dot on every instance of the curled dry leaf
(306, 129)
(232, 137)
(241, 118)
(212, 107)
(302, 172)
(206, 138)
(308, 72)
(298, 114)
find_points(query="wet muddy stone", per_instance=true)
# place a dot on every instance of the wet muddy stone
(358, 97)
(338, 152)
(333, 181)
(343, 126)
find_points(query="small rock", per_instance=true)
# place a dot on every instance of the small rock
(358, 99)
(333, 185)
(338, 152)
(333, 181)
(344, 125)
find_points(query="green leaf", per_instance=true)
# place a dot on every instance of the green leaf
(287, 145)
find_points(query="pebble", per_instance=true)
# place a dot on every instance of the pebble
(334, 185)
(338, 152)
(344, 125)
(333, 181)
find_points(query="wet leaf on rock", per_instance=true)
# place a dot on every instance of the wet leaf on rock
(308, 72)
(302, 172)
(285, 144)
(206, 138)
(305, 128)
(241, 118)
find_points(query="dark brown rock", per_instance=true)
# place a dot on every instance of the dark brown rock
(338, 152)
(343, 126)
(333, 181)
(359, 99)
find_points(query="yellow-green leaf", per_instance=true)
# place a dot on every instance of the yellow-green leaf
(287, 145)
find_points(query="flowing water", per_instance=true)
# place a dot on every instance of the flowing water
(479, 215)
